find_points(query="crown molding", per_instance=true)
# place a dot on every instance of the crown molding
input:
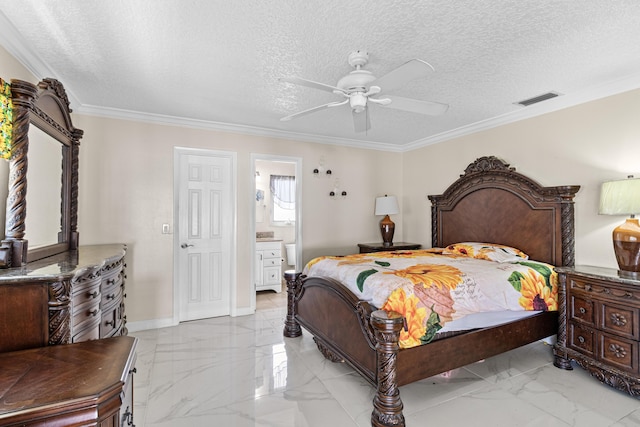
(115, 113)
(604, 90)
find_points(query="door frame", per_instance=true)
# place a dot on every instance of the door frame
(252, 228)
(177, 153)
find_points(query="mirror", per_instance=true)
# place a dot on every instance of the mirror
(44, 177)
(45, 141)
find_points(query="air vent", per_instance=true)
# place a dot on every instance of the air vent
(538, 98)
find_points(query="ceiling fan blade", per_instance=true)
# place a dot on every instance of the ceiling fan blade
(312, 110)
(361, 121)
(309, 83)
(414, 69)
(429, 108)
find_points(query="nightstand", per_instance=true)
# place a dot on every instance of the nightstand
(379, 247)
(599, 325)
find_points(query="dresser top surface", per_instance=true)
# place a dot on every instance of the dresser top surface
(65, 264)
(600, 273)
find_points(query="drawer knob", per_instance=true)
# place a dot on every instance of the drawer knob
(111, 296)
(582, 310)
(110, 323)
(92, 294)
(94, 312)
(111, 281)
(581, 339)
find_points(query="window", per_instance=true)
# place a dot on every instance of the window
(283, 199)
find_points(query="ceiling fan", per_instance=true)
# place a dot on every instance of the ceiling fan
(360, 88)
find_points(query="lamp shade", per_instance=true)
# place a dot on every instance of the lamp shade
(620, 197)
(387, 205)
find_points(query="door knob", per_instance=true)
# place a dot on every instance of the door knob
(185, 246)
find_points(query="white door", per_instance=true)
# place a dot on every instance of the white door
(205, 235)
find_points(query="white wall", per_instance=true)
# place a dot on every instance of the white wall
(584, 145)
(126, 194)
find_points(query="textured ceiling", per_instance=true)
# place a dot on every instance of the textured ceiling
(217, 63)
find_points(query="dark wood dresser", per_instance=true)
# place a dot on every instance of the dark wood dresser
(599, 325)
(379, 247)
(70, 297)
(83, 384)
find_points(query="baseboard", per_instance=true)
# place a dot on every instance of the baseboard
(244, 311)
(144, 325)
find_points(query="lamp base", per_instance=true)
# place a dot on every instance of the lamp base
(626, 245)
(387, 228)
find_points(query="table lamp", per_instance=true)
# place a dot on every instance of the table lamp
(387, 205)
(622, 197)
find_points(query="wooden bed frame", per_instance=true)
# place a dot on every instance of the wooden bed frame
(490, 202)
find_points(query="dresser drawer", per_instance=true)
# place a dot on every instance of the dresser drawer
(619, 319)
(111, 294)
(581, 338)
(604, 291)
(111, 279)
(581, 309)
(85, 313)
(111, 321)
(86, 295)
(619, 352)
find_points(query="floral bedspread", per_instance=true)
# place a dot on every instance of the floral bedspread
(433, 286)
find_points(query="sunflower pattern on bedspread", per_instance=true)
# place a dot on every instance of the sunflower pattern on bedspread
(433, 286)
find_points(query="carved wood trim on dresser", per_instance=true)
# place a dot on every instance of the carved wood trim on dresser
(70, 297)
(599, 326)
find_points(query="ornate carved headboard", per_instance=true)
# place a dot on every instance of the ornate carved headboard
(493, 203)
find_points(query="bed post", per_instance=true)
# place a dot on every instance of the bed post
(291, 327)
(387, 405)
(560, 357)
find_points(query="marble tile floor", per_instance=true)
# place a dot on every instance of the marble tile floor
(241, 372)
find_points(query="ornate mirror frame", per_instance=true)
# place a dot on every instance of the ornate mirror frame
(45, 106)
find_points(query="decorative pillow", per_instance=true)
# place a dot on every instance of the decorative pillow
(487, 251)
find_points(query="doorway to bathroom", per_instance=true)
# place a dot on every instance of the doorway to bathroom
(276, 220)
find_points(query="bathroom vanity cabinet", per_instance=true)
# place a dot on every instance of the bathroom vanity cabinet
(268, 274)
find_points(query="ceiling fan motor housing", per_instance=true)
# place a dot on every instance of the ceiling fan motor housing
(356, 80)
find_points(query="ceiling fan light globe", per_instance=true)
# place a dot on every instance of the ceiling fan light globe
(358, 102)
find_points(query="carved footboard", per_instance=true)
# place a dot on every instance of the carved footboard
(346, 329)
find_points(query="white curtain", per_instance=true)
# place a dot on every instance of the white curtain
(283, 190)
